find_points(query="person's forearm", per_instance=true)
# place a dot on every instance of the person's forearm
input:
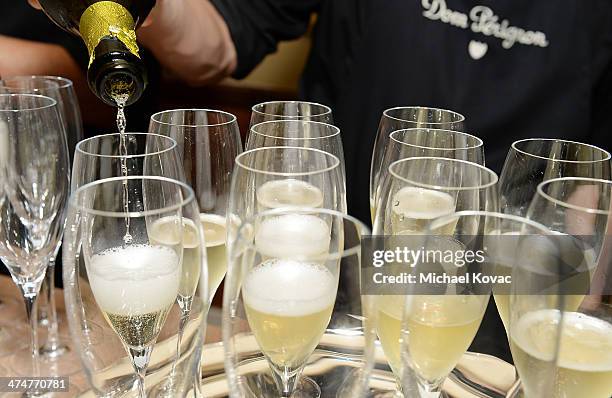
(24, 57)
(190, 39)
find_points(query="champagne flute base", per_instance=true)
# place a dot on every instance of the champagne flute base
(54, 352)
(55, 363)
(398, 394)
(306, 388)
(262, 385)
(168, 388)
(391, 394)
(61, 357)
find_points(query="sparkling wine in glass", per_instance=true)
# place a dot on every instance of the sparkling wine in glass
(416, 193)
(293, 288)
(208, 141)
(560, 309)
(137, 287)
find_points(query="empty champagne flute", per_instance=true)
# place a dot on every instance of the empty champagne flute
(532, 161)
(136, 287)
(55, 350)
(293, 302)
(407, 117)
(102, 157)
(60, 89)
(34, 171)
(298, 133)
(208, 142)
(560, 308)
(416, 192)
(423, 142)
(290, 110)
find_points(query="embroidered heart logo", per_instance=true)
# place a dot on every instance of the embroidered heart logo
(477, 49)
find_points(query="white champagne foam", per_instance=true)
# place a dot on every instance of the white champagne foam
(421, 203)
(289, 288)
(590, 339)
(134, 280)
(293, 236)
(289, 192)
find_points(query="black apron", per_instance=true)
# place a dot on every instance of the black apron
(513, 68)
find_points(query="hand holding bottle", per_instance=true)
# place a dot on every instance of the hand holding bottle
(191, 39)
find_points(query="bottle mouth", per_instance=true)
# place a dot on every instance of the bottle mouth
(120, 87)
(116, 75)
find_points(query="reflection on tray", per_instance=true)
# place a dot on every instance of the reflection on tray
(326, 363)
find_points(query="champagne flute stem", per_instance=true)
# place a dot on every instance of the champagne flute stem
(52, 345)
(140, 361)
(43, 302)
(428, 390)
(30, 303)
(185, 311)
(286, 380)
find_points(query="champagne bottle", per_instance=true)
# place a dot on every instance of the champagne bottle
(108, 30)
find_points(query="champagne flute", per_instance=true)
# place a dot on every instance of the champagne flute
(208, 142)
(34, 171)
(60, 89)
(441, 318)
(561, 313)
(532, 161)
(502, 234)
(415, 192)
(135, 285)
(290, 110)
(291, 305)
(275, 177)
(419, 189)
(407, 117)
(148, 154)
(298, 133)
(102, 157)
(55, 351)
(423, 142)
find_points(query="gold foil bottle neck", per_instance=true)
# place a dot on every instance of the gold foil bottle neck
(107, 18)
